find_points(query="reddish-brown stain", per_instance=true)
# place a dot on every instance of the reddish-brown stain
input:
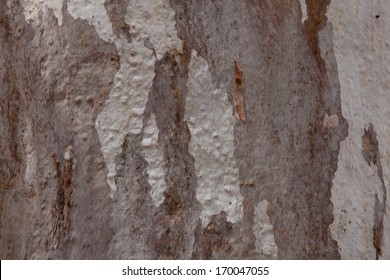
(238, 92)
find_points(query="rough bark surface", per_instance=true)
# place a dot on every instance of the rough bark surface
(144, 129)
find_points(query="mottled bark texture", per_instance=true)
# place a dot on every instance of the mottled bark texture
(227, 150)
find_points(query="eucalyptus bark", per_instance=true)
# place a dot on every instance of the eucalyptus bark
(218, 129)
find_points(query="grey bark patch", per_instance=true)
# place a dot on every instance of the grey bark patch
(180, 208)
(49, 66)
(169, 89)
(133, 212)
(242, 238)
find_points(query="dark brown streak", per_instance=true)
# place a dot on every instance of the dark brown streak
(370, 150)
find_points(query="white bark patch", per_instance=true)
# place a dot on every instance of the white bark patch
(154, 20)
(304, 10)
(123, 113)
(95, 13)
(210, 119)
(363, 57)
(155, 159)
(263, 230)
(68, 153)
(331, 121)
(32, 8)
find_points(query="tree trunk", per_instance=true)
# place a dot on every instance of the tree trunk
(156, 129)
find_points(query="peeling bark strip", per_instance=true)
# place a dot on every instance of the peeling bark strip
(238, 92)
(65, 190)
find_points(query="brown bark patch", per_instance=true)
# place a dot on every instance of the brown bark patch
(370, 145)
(63, 201)
(212, 242)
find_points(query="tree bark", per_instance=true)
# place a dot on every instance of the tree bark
(221, 129)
